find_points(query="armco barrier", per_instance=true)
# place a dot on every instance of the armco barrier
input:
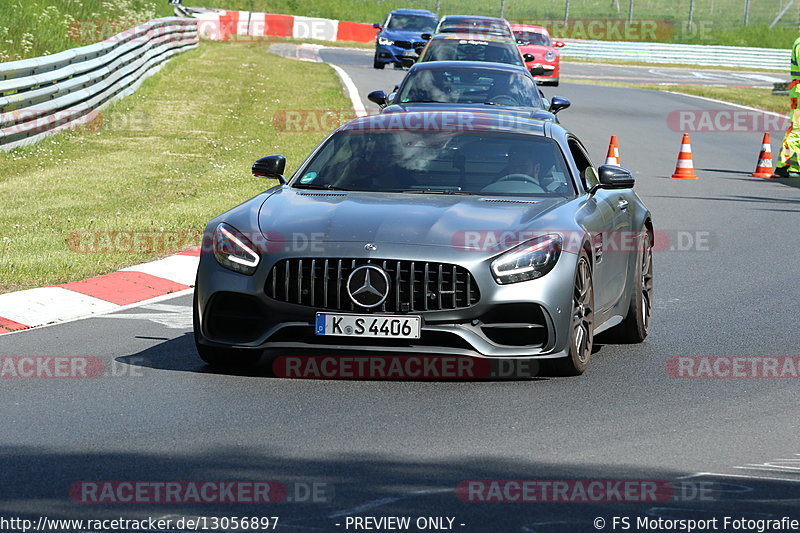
(690, 54)
(44, 95)
(214, 24)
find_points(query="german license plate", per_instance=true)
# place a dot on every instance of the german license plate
(380, 326)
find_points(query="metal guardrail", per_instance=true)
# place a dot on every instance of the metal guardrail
(44, 95)
(703, 55)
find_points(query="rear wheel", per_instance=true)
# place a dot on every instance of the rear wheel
(581, 340)
(636, 325)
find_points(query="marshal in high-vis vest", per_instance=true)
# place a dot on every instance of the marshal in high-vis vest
(788, 162)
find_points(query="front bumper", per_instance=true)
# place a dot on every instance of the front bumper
(552, 71)
(393, 54)
(528, 319)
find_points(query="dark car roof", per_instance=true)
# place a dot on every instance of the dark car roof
(478, 121)
(405, 11)
(481, 65)
(472, 17)
(466, 36)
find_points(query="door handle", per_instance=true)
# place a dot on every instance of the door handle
(622, 204)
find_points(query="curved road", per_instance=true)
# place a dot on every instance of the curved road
(401, 448)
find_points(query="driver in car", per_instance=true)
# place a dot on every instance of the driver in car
(533, 173)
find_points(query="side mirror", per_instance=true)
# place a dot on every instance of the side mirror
(528, 57)
(536, 70)
(271, 166)
(378, 97)
(408, 62)
(614, 177)
(377, 26)
(557, 103)
(559, 44)
(426, 36)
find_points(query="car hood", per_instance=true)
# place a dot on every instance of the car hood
(527, 112)
(402, 35)
(396, 218)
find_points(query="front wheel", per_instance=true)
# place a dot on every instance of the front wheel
(581, 339)
(636, 325)
(377, 64)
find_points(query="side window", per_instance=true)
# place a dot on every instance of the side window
(587, 173)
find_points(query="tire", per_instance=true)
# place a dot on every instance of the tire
(581, 337)
(221, 357)
(377, 64)
(636, 325)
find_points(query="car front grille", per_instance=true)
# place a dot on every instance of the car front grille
(408, 45)
(414, 285)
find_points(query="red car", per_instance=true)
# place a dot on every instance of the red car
(536, 40)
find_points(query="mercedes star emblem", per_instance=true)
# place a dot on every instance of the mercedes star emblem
(368, 286)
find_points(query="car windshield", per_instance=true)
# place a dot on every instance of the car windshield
(472, 50)
(470, 86)
(478, 25)
(435, 161)
(532, 37)
(418, 23)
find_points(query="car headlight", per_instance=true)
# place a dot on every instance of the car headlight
(385, 42)
(530, 260)
(234, 251)
(550, 55)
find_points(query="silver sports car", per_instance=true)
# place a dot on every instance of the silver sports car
(440, 232)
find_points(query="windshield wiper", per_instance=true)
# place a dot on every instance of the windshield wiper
(424, 102)
(326, 187)
(434, 191)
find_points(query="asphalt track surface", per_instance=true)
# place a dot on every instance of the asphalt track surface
(399, 448)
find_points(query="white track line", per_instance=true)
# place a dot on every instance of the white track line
(352, 91)
(748, 108)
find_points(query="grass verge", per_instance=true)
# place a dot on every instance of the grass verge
(31, 28)
(166, 159)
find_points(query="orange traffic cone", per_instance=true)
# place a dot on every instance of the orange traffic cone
(764, 165)
(685, 168)
(612, 158)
